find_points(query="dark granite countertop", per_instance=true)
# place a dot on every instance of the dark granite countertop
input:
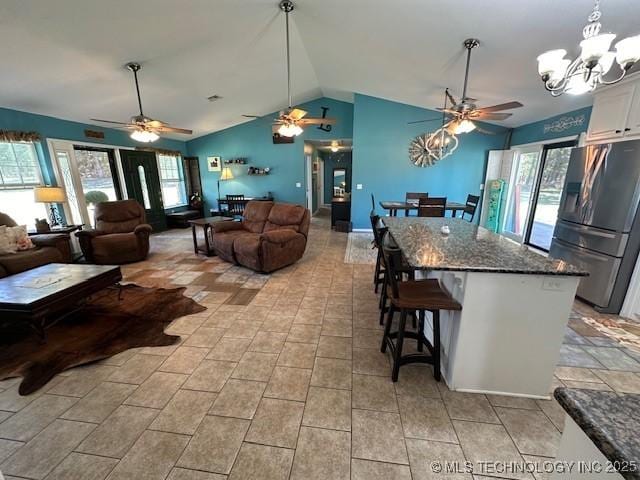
(468, 248)
(610, 420)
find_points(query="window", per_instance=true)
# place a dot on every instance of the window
(19, 173)
(172, 181)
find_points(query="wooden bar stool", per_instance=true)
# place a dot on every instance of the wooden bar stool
(407, 297)
(378, 233)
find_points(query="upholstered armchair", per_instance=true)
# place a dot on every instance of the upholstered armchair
(120, 235)
(50, 248)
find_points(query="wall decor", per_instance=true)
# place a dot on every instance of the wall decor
(258, 171)
(95, 134)
(213, 164)
(236, 161)
(564, 123)
(322, 126)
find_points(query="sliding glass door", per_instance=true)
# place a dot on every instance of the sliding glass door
(520, 192)
(555, 160)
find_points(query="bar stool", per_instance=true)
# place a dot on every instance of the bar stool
(410, 296)
(378, 233)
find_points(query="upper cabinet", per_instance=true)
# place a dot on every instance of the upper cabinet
(616, 113)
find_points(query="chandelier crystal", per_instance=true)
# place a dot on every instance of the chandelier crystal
(561, 75)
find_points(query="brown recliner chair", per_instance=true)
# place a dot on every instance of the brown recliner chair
(121, 234)
(270, 236)
(50, 248)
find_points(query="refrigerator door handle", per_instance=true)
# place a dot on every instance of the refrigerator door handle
(590, 232)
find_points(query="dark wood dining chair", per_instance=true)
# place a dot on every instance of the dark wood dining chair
(235, 205)
(470, 207)
(432, 206)
(407, 297)
(413, 196)
(373, 203)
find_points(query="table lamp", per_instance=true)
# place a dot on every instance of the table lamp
(52, 196)
(226, 174)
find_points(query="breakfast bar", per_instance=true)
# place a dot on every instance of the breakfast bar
(515, 304)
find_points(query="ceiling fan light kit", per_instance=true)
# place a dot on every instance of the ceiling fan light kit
(584, 74)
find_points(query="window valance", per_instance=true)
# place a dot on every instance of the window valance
(16, 136)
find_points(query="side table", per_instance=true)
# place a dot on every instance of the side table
(206, 224)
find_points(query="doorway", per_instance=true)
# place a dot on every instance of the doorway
(143, 184)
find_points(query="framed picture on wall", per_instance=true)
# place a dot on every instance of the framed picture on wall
(214, 164)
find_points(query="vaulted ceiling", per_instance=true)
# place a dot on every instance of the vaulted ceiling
(65, 58)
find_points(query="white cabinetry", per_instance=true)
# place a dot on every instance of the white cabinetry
(616, 113)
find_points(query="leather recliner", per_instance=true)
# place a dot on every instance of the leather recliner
(121, 234)
(50, 248)
(270, 236)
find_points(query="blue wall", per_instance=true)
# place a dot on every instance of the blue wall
(50, 127)
(563, 125)
(381, 138)
(331, 161)
(253, 140)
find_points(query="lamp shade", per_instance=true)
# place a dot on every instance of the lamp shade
(45, 194)
(226, 174)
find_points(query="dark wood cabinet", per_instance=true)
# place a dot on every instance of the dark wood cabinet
(340, 210)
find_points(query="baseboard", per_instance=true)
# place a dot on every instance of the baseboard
(362, 230)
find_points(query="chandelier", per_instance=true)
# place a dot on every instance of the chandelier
(586, 72)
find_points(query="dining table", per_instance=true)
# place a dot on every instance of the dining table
(394, 205)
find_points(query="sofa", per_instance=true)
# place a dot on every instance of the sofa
(121, 234)
(50, 248)
(270, 236)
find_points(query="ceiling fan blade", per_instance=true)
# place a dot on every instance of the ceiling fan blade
(502, 106)
(251, 116)
(109, 121)
(296, 114)
(167, 128)
(155, 123)
(448, 110)
(490, 115)
(450, 97)
(316, 121)
(424, 121)
(486, 132)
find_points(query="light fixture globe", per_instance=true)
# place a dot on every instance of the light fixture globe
(585, 73)
(144, 136)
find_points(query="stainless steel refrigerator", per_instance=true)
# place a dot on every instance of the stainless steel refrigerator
(598, 226)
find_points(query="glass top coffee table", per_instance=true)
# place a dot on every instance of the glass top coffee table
(206, 224)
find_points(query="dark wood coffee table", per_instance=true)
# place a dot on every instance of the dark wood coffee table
(206, 224)
(44, 295)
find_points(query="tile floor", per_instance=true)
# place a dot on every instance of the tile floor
(280, 378)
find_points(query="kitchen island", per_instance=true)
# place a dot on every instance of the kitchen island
(515, 305)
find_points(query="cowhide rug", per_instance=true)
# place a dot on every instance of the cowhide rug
(105, 326)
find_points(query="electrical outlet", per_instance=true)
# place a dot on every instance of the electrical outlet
(555, 284)
(298, 185)
(359, 186)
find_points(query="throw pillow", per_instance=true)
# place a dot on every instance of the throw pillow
(23, 242)
(7, 244)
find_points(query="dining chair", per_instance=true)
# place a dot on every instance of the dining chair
(413, 196)
(432, 206)
(373, 203)
(407, 297)
(470, 207)
(235, 205)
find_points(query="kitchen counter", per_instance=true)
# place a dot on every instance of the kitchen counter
(515, 305)
(468, 248)
(611, 421)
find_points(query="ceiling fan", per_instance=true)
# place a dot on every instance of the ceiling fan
(144, 129)
(292, 120)
(464, 113)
